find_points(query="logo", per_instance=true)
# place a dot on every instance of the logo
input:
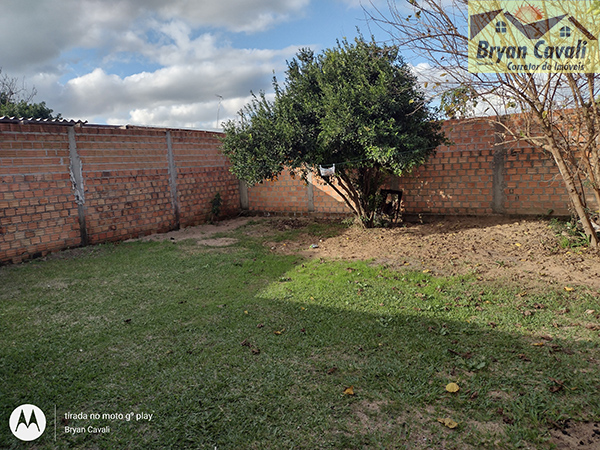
(27, 422)
(508, 36)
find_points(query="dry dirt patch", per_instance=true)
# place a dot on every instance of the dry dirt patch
(202, 233)
(522, 250)
(583, 436)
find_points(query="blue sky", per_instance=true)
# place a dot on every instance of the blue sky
(164, 63)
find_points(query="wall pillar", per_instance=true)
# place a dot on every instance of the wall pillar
(498, 185)
(310, 193)
(76, 175)
(172, 171)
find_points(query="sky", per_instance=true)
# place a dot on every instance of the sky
(175, 63)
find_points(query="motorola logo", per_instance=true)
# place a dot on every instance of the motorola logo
(27, 422)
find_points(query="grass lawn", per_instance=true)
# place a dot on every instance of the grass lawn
(241, 348)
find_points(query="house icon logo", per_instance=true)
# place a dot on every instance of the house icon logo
(510, 36)
(27, 422)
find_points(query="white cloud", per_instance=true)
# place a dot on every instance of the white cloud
(45, 30)
(174, 93)
(179, 57)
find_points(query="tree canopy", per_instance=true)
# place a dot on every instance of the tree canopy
(16, 100)
(356, 105)
(556, 112)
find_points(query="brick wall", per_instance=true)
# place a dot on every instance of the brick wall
(37, 209)
(63, 185)
(293, 195)
(480, 175)
(68, 184)
(477, 175)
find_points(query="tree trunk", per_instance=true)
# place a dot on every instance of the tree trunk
(574, 195)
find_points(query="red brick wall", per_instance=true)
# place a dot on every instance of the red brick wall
(474, 176)
(326, 200)
(458, 179)
(479, 176)
(284, 195)
(37, 209)
(126, 181)
(138, 181)
(533, 184)
(199, 183)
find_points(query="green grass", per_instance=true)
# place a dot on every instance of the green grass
(569, 234)
(240, 348)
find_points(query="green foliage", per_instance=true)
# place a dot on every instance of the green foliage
(215, 207)
(459, 102)
(16, 100)
(356, 105)
(569, 233)
(27, 110)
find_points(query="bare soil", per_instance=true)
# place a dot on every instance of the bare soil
(203, 234)
(523, 250)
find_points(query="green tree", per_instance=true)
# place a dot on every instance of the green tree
(556, 112)
(16, 100)
(357, 106)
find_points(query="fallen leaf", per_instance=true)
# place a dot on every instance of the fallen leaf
(568, 288)
(448, 422)
(255, 350)
(538, 344)
(590, 311)
(245, 343)
(524, 357)
(278, 332)
(474, 395)
(452, 387)
(349, 390)
(260, 325)
(332, 370)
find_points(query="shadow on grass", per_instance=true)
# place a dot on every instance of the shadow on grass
(247, 349)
